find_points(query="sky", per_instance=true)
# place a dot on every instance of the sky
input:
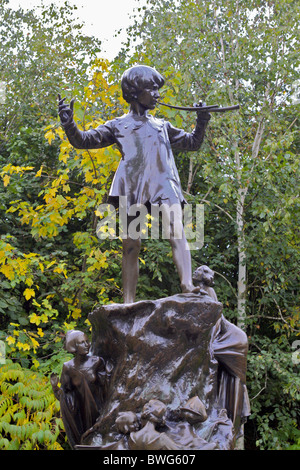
(102, 18)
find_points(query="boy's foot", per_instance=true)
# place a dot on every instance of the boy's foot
(190, 289)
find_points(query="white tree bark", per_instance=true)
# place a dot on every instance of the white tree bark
(242, 258)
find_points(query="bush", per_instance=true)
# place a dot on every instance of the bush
(274, 389)
(29, 412)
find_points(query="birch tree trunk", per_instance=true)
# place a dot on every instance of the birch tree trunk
(190, 178)
(242, 189)
(242, 193)
(242, 258)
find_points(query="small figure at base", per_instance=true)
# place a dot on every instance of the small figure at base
(84, 385)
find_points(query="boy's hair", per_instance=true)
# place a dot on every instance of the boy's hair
(137, 78)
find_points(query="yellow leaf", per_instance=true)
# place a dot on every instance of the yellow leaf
(34, 318)
(44, 318)
(23, 346)
(50, 135)
(51, 264)
(60, 133)
(76, 313)
(11, 340)
(34, 342)
(8, 271)
(6, 179)
(35, 363)
(28, 293)
(89, 176)
(64, 157)
(60, 270)
(29, 281)
(56, 218)
(39, 173)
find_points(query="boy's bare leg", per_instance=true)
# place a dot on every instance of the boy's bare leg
(183, 262)
(130, 268)
(180, 248)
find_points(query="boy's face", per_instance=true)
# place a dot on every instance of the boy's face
(149, 96)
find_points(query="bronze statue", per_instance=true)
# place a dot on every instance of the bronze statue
(204, 278)
(160, 433)
(147, 173)
(183, 431)
(153, 343)
(156, 432)
(230, 347)
(176, 348)
(194, 411)
(84, 384)
(126, 423)
(149, 438)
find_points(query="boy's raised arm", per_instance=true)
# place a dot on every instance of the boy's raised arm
(65, 112)
(91, 139)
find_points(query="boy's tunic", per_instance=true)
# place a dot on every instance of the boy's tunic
(147, 173)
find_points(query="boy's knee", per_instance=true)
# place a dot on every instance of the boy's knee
(131, 246)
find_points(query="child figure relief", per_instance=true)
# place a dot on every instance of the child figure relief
(147, 173)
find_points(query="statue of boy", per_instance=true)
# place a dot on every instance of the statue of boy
(147, 174)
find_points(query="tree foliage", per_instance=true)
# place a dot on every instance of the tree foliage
(51, 262)
(29, 417)
(53, 267)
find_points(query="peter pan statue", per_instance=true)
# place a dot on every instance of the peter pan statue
(147, 173)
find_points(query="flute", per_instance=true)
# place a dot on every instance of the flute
(211, 109)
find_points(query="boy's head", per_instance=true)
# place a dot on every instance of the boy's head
(137, 78)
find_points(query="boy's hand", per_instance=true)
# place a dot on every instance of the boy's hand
(65, 112)
(203, 116)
